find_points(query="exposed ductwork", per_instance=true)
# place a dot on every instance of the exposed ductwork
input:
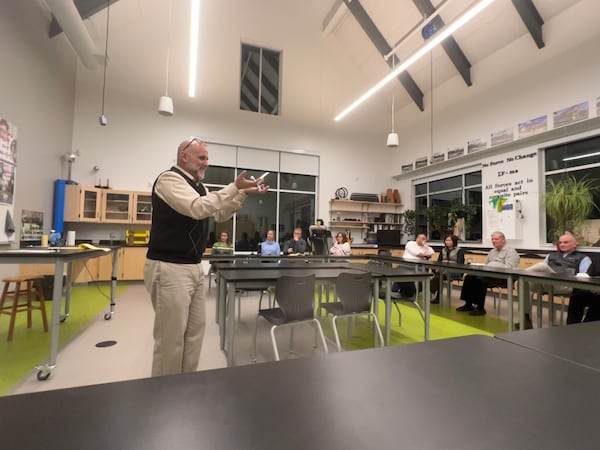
(70, 21)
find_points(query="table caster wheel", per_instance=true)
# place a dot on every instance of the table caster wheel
(107, 316)
(43, 375)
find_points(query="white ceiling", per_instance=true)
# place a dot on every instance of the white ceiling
(321, 72)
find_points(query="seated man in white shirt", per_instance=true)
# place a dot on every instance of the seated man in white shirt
(418, 249)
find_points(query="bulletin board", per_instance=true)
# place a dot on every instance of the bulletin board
(8, 172)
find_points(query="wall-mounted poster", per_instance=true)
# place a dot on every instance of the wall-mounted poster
(407, 167)
(572, 114)
(509, 185)
(475, 145)
(438, 157)
(502, 137)
(533, 126)
(32, 225)
(421, 162)
(8, 169)
(455, 152)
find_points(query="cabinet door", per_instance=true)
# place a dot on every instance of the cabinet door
(142, 207)
(116, 206)
(82, 204)
(134, 259)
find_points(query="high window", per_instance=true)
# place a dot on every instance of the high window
(438, 202)
(259, 87)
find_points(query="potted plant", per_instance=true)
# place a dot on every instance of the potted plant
(437, 217)
(569, 202)
(410, 223)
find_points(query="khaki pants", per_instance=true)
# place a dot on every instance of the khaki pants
(534, 287)
(177, 293)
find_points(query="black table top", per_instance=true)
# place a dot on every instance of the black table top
(47, 255)
(474, 393)
(576, 343)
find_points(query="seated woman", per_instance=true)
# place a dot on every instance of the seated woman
(451, 253)
(341, 247)
(270, 247)
(223, 241)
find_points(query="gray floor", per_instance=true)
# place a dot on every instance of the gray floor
(82, 363)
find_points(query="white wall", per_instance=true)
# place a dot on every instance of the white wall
(37, 77)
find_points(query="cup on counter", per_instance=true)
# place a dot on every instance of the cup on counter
(44, 240)
(70, 238)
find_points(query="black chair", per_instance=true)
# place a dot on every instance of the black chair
(296, 299)
(406, 292)
(354, 293)
(320, 239)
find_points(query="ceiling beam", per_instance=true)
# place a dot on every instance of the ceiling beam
(86, 8)
(449, 45)
(384, 48)
(532, 20)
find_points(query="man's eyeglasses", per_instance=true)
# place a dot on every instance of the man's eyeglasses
(192, 140)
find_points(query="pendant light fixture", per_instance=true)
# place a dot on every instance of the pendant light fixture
(392, 139)
(102, 119)
(165, 103)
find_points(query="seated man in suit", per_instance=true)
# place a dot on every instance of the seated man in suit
(474, 287)
(567, 260)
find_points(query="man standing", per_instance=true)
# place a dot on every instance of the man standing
(474, 287)
(567, 260)
(173, 274)
(296, 244)
(418, 249)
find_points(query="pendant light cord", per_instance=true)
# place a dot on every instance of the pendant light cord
(105, 53)
(431, 99)
(168, 49)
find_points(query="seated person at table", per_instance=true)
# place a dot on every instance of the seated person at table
(270, 247)
(223, 241)
(581, 299)
(296, 244)
(450, 253)
(474, 287)
(341, 246)
(567, 260)
(418, 249)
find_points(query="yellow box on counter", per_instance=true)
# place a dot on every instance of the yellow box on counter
(137, 237)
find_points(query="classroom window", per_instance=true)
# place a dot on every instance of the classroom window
(581, 160)
(435, 198)
(260, 79)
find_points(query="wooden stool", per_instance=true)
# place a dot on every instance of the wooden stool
(30, 287)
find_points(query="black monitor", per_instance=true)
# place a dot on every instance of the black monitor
(389, 238)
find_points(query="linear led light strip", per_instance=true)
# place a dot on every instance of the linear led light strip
(438, 38)
(194, 29)
(587, 155)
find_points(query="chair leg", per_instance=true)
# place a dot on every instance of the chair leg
(42, 302)
(29, 303)
(322, 336)
(292, 339)
(416, 303)
(399, 314)
(13, 311)
(274, 342)
(254, 341)
(336, 334)
(377, 327)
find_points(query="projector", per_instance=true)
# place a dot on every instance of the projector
(103, 120)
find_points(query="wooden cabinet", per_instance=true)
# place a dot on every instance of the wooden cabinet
(116, 206)
(364, 216)
(88, 204)
(142, 207)
(82, 204)
(134, 259)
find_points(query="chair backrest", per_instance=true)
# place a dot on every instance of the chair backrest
(354, 291)
(296, 297)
